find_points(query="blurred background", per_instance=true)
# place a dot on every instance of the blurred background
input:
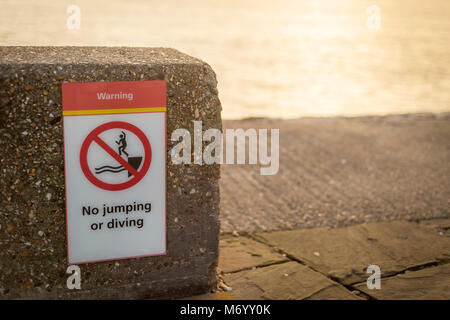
(281, 59)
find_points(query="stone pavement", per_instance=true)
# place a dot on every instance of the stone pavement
(341, 171)
(350, 192)
(322, 263)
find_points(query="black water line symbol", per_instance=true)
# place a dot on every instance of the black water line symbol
(109, 169)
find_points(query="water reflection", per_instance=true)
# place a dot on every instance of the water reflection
(273, 58)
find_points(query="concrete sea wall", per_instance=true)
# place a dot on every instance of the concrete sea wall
(33, 249)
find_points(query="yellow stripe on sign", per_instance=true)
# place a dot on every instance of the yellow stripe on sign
(112, 111)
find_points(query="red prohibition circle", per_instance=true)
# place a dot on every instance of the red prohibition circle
(94, 137)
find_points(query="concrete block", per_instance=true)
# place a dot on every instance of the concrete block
(33, 258)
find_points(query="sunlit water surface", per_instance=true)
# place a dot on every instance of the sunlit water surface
(273, 58)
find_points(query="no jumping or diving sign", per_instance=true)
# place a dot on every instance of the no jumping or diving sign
(115, 168)
(135, 166)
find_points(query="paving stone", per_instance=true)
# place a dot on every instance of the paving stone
(287, 281)
(345, 253)
(427, 284)
(334, 293)
(220, 295)
(238, 253)
(441, 226)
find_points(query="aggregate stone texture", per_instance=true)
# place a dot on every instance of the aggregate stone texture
(32, 215)
(335, 172)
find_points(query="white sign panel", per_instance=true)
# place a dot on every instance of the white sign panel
(115, 169)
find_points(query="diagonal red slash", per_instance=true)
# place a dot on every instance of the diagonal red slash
(116, 156)
(95, 136)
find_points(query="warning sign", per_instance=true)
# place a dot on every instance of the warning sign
(131, 164)
(115, 168)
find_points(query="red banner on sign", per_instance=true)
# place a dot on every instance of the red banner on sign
(113, 95)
